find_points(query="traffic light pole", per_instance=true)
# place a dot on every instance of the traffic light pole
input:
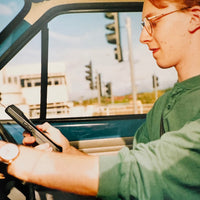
(134, 91)
(99, 88)
(112, 97)
(156, 92)
(155, 86)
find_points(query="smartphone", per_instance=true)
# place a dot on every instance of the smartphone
(15, 113)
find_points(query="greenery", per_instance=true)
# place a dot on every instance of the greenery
(145, 98)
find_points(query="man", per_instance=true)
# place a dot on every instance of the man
(164, 162)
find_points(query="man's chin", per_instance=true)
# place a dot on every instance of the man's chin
(163, 66)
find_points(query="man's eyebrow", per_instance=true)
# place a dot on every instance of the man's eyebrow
(149, 15)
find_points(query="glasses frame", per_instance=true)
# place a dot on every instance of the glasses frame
(149, 20)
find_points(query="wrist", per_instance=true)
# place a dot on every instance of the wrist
(8, 153)
(66, 148)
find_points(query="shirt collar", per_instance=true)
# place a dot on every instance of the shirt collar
(189, 83)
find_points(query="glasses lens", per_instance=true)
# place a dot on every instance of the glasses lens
(147, 25)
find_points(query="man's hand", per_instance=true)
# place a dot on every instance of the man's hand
(51, 132)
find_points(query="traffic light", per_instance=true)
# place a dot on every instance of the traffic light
(108, 89)
(114, 36)
(89, 76)
(155, 81)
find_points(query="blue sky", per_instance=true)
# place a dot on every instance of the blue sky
(77, 39)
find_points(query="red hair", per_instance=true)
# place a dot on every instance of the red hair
(181, 3)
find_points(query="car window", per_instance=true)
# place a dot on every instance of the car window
(8, 10)
(82, 38)
(78, 44)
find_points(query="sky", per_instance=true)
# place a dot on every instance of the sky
(77, 39)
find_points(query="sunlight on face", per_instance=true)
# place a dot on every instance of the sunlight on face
(167, 46)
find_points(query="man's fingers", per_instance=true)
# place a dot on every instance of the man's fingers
(49, 130)
(26, 134)
(44, 127)
(44, 147)
(29, 140)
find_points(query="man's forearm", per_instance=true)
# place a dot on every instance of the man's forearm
(71, 173)
(73, 151)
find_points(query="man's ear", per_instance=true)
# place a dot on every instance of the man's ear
(195, 18)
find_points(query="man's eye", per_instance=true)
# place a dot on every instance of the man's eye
(153, 24)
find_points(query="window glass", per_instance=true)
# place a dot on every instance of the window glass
(79, 40)
(20, 78)
(8, 10)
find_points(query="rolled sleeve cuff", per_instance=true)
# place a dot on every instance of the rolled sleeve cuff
(109, 176)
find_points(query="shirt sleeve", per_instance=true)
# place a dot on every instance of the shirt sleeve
(167, 168)
(141, 135)
(150, 130)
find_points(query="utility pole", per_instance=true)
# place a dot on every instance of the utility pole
(134, 92)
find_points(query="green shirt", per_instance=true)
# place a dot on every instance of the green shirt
(160, 167)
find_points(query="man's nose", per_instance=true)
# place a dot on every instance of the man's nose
(145, 37)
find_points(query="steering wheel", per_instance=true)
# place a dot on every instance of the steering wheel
(9, 182)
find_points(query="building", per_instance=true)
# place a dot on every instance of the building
(21, 86)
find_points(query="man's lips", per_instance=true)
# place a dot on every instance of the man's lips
(154, 50)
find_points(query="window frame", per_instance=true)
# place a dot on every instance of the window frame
(42, 25)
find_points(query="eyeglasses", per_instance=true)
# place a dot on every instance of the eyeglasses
(148, 21)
